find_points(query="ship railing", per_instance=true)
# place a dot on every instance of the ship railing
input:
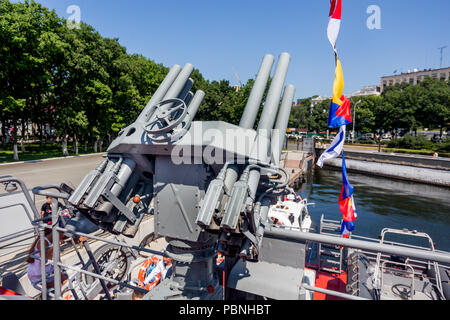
(412, 253)
(12, 182)
(56, 261)
(421, 267)
(332, 293)
(97, 274)
(18, 239)
(58, 265)
(420, 263)
(16, 235)
(406, 272)
(406, 232)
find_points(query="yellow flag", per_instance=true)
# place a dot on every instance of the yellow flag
(338, 87)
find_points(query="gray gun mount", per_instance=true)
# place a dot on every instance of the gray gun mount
(210, 181)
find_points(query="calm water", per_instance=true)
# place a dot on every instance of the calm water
(383, 203)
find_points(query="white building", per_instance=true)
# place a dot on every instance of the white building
(415, 77)
(366, 91)
(315, 101)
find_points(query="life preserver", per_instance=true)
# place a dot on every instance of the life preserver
(145, 269)
(68, 296)
(277, 222)
(220, 259)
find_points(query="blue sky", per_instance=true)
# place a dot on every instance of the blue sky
(216, 36)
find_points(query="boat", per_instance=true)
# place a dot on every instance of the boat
(189, 184)
(367, 274)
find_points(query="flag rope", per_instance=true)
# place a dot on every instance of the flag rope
(340, 116)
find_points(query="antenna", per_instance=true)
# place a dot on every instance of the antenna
(237, 77)
(442, 50)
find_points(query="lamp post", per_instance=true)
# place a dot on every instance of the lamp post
(354, 121)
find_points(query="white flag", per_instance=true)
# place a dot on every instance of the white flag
(335, 149)
(335, 22)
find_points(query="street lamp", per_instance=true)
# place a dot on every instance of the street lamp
(354, 121)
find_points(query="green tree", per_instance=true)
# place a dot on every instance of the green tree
(25, 30)
(366, 107)
(436, 104)
(301, 116)
(320, 114)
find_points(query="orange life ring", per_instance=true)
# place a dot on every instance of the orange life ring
(220, 259)
(143, 272)
(277, 222)
(68, 296)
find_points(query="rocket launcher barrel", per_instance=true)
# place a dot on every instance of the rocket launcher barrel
(116, 179)
(250, 113)
(210, 203)
(123, 175)
(195, 103)
(160, 93)
(181, 83)
(186, 90)
(265, 125)
(274, 95)
(188, 98)
(87, 182)
(257, 93)
(227, 177)
(279, 134)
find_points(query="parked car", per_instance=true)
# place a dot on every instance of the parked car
(386, 137)
(367, 136)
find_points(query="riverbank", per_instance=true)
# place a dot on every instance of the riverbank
(386, 149)
(423, 169)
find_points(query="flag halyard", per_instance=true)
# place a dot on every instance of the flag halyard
(339, 116)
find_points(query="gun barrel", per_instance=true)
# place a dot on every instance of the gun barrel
(186, 90)
(257, 93)
(279, 133)
(181, 82)
(262, 143)
(195, 103)
(274, 95)
(160, 92)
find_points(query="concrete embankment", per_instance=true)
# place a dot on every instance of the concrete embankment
(405, 167)
(296, 163)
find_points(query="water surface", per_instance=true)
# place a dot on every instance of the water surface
(383, 203)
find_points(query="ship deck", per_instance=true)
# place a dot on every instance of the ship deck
(329, 281)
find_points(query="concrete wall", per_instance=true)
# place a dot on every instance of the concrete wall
(403, 172)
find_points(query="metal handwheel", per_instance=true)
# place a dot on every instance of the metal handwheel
(162, 120)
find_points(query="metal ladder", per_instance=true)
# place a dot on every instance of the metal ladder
(330, 256)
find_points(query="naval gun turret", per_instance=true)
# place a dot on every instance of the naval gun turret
(211, 184)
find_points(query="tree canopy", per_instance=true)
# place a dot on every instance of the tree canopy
(401, 107)
(87, 87)
(82, 85)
